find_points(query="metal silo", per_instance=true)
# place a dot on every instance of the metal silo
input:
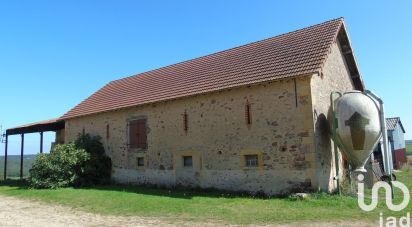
(358, 127)
(358, 123)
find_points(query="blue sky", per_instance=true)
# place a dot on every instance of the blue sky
(54, 54)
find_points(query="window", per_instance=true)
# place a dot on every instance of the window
(137, 134)
(107, 131)
(185, 125)
(187, 161)
(251, 160)
(140, 161)
(248, 117)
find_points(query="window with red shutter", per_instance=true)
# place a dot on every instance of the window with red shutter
(142, 137)
(137, 134)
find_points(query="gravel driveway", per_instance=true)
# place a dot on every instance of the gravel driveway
(21, 212)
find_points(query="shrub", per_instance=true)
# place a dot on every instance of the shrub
(97, 169)
(82, 163)
(61, 168)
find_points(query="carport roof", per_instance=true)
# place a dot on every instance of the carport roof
(41, 126)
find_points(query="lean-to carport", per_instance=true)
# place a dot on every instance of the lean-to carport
(40, 127)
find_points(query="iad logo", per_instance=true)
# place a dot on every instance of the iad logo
(390, 221)
(388, 195)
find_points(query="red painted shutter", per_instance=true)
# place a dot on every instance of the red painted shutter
(137, 131)
(133, 134)
(142, 134)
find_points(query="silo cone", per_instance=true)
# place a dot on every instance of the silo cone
(358, 127)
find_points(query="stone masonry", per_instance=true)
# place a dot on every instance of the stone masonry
(288, 132)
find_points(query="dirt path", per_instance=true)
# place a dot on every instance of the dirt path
(20, 212)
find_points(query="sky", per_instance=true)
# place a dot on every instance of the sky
(54, 54)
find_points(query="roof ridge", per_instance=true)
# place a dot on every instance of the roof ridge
(233, 48)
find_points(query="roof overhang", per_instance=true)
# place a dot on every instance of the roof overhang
(350, 58)
(41, 126)
(400, 123)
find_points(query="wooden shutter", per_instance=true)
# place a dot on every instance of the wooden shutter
(133, 133)
(137, 134)
(141, 131)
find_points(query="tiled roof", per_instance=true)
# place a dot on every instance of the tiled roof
(292, 54)
(392, 122)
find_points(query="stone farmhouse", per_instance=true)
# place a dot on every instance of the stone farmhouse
(251, 118)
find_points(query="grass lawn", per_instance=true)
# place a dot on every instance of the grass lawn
(203, 206)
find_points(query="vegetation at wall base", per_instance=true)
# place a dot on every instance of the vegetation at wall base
(98, 168)
(63, 167)
(82, 163)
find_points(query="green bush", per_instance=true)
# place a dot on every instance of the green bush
(82, 163)
(98, 168)
(63, 167)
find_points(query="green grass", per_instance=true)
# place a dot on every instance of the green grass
(205, 206)
(13, 165)
(409, 149)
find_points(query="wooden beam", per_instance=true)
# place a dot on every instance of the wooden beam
(41, 142)
(21, 156)
(5, 157)
(348, 51)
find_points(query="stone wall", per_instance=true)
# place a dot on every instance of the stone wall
(334, 77)
(289, 133)
(281, 134)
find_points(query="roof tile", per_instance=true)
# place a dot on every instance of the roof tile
(291, 54)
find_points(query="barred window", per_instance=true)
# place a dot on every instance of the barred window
(251, 160)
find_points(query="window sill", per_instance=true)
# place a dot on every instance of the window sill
(137, 150)
(251, 168)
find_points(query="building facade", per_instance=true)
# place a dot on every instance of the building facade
(253, 118)
(269, 136)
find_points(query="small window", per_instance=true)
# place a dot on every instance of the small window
(187, 161)
(107, 131)
(251, 160)
(137, 134)
(140, 161)
(248, 116)
(185, 124)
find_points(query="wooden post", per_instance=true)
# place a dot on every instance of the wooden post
(5, 157)
(21, 156)
(41, 142)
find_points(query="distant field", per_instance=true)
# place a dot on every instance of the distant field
(409, 149)
(13, 165)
